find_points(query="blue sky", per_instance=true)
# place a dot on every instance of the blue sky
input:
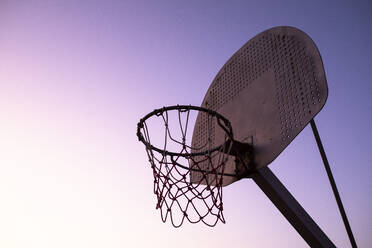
(76, 77)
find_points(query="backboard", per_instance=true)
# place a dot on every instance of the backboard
(269, 90)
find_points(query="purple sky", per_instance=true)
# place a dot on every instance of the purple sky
(76, 77)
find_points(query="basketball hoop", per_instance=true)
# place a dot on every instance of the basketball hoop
(179, 197)
(268, 91)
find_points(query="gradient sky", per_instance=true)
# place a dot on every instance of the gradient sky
(76, 77)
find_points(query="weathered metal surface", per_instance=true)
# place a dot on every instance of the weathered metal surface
(269, 90)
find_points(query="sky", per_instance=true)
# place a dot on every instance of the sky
(76, 77)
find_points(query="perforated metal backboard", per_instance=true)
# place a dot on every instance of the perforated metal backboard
(269, 90)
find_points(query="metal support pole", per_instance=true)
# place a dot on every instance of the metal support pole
(333, 184)
(291, 209)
